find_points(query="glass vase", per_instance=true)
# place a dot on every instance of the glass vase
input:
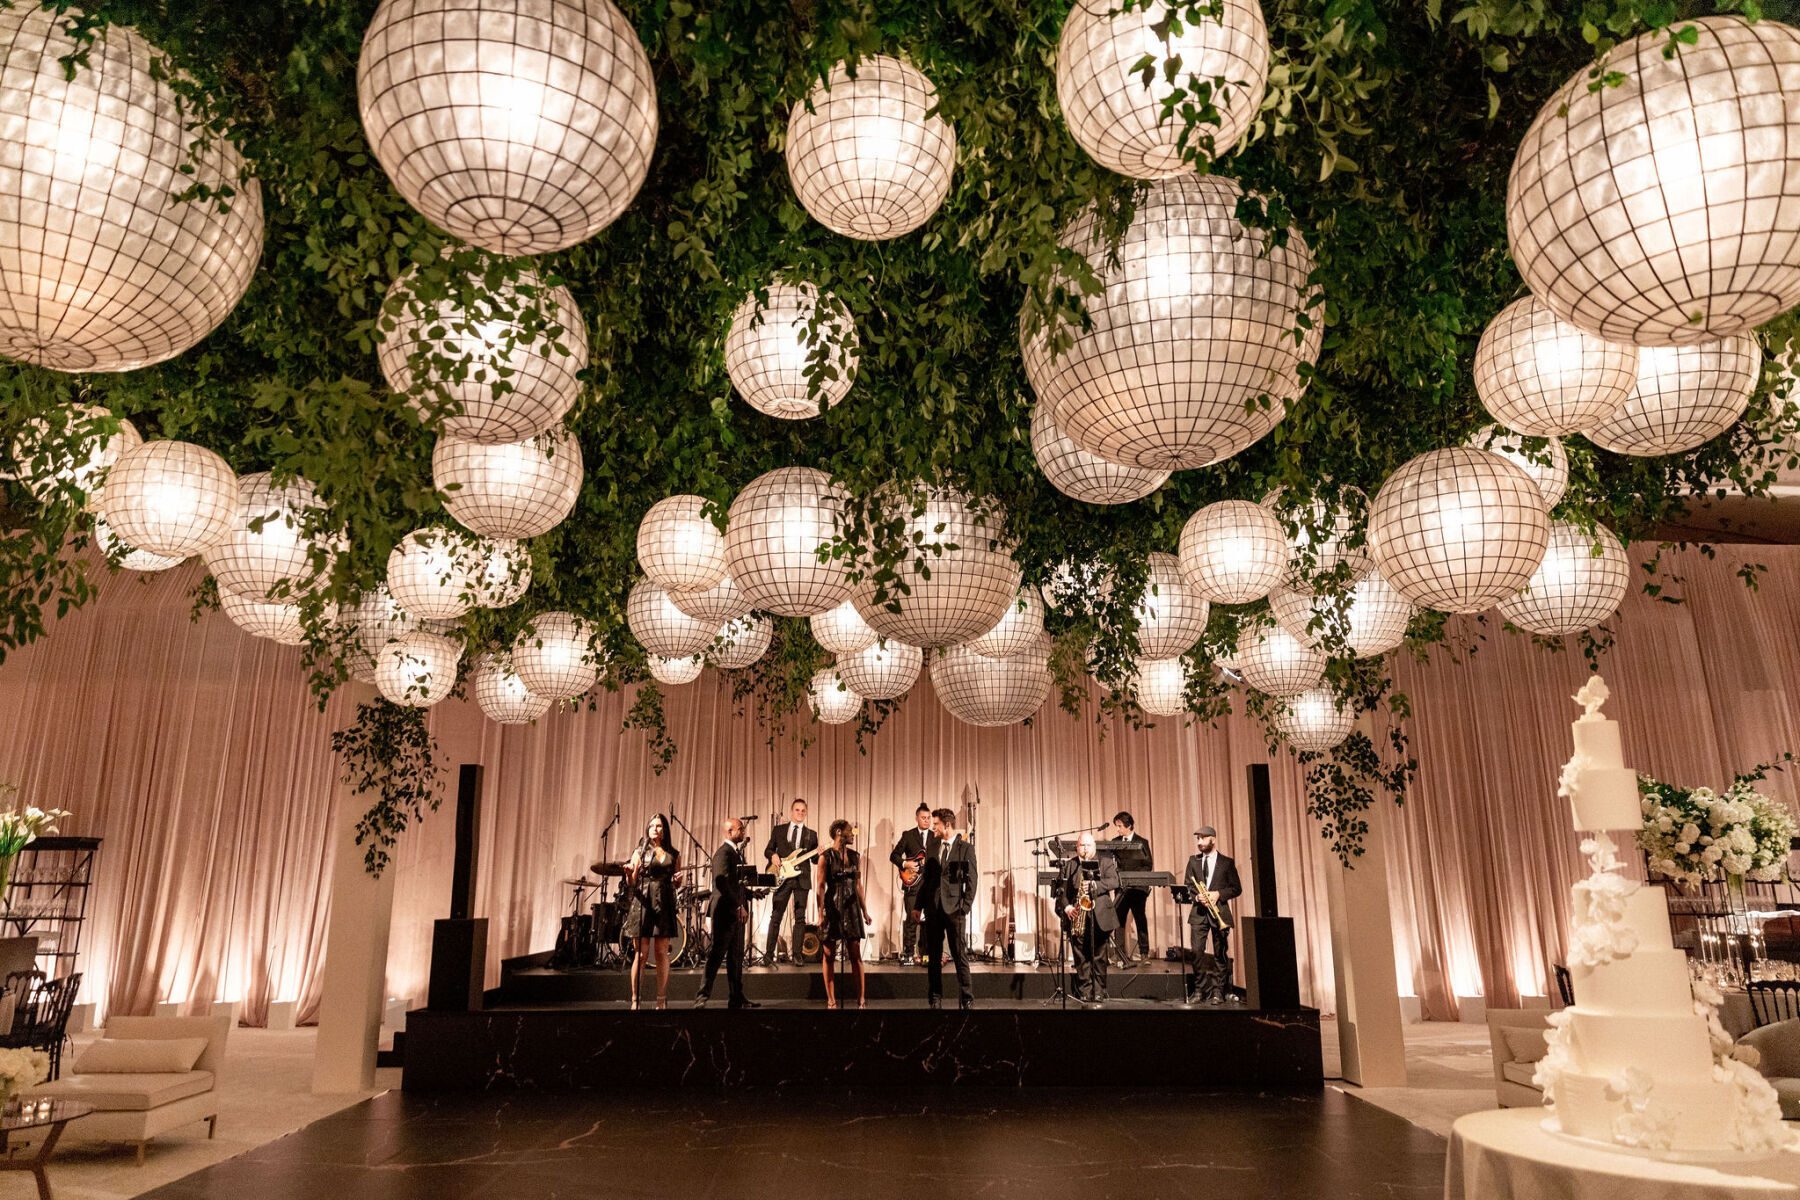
(7, 862)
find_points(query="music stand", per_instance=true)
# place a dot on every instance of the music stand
(1182, 894)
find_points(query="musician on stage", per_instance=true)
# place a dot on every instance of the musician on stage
(948, 889)
(653, 918)
(1101, 872)
(729, 909)
(910, 849)
(1213, 876)
(785, 841)
(1131, 900)
(843, 912)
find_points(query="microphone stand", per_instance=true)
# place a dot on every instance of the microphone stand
(692, 950)
(608, 954)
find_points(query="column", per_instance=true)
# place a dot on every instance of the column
(355, 973)
(1370, 1041)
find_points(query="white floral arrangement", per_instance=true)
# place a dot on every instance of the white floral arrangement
(1697, 835)
(22, 1069)
(19, 827)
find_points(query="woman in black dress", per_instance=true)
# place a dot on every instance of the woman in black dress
(652, 919)
(843, 911)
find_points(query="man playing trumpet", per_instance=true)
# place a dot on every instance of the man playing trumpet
(1214, 878)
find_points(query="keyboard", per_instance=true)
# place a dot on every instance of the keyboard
(1130, 879)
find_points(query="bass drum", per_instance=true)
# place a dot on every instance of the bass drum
(677, 945)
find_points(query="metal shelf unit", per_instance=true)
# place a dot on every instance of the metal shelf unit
(48, 896)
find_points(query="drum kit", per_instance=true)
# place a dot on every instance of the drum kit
(593, 932)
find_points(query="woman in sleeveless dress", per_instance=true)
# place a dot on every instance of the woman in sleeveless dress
(843, 911)
(652, 918)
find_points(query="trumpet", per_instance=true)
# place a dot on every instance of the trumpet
(1211, 906)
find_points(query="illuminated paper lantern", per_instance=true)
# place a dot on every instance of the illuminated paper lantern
(511, 489)
(773, 534)
(1684, 397)
(378, 620)
(1315, 721)
(1083, 476)
(127, 557)
(270, 545)
(958, 575)
(831, 699)
(673, 672)
(1324, 539)
(660, 627)
(1542, 376)
(1233, 552)
(1370, 620)
(72, 447)
(679, 547)
(1275, 662)
(991, 692)
(1018, 629)
(842, 630)
(432, 573)
(1581, 582)
(1171, 617)
(502, 572)
(882, 670)
(741, 643)
(718, 604)
(170, 498)
(555, 656)
(502, 696)
(1548, 466)
(1160, 686)
(417, 669)
(788, 359)
(275, 620)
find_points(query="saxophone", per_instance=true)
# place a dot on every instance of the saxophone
(1084, 904)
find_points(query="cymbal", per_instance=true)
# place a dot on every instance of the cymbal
(583, 882)
(604, 868)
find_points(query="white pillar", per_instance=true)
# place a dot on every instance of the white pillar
(355, 974)
(1370, 1041)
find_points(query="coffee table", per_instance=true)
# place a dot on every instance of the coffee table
(20, 1115)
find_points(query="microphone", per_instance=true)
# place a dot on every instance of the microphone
(1101, 828)
(748, 819)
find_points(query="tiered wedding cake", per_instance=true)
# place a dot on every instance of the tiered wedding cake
(1638, 1061)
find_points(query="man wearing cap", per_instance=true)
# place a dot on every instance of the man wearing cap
(1213, 877)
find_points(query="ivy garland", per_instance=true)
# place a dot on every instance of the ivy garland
(1385, 138)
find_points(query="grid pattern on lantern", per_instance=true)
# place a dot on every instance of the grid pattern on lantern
(554, 656)
(1233, 552)
(431, 573)
(502, 573)
(1315, 721)
(1296, 612)
(1115, 118)
(866, 161)
(378, 620)
(718, 604)
(1195, 323)
(1170, 616)
(1276, 663)
(969, 588)
(772, 538)
(882, 670)
(1548, 465)
(1573, 588)
(831, 698)
(264, 619)
(1666, 209)
(1540, 375)
(1083, 476)
(417, 669)
(521, 126)
(104, 270)
(673, 672)
(978, 690)
(1458, 530)
(1684, 397)
(502, 696)
(70, 448)
(771, 349)
(679, 547)
(170, 498)
(280, 552)
(511, 490)
(741, 642)
(1379, 616)
(1320, 544)
(1160, 686)
(125, 556)
(660, 627)
(478, 347)
(842, 630)
(1017, 630)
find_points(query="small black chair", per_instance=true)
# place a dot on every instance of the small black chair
(41, 1018)
(1773, 1000)
(1565, 984)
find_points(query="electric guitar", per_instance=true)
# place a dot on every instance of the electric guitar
(911, 868)
(789, 867)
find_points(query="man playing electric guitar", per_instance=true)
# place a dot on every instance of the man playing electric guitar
(787, 844)
(909, 856)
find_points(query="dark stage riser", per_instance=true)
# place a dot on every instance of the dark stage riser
(570, 1049)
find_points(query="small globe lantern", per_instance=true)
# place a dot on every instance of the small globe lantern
(1542, 376)
(270, 545)
(741, 643)
(842, 630)
(509, 490)
(775, 529)
(1233, 552)
(72, 447)
(417, 669)
(1083, 476)
(831, 698)
(170, 498)
(275, 620)
(718, 604)
(1171, 618)
(1276, 663)
(1322, 541)
(883, 670)
(791, 357)
(1580, 583)
(1160, 686)
(554, 656)
(991, 692)
(958, 575)
(679, 547)
(502, 572)
(661, 628)
(1315, 721)
(432, 573)
(1548, 466)
(126, 557)
(502, 697)
(1684, 397)
(1017, 630)
(673, 672)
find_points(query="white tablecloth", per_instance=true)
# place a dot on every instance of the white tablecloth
(1508, 1155)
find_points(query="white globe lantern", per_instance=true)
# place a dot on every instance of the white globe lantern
(502, 697)
(502, 571)
(1321, 543)
(417, 669)
(1547, 466)
(1170, 616)
(792, 357)
(773, 534)
(269, 546)
(718, 604)
(673, 672)
(1190, 354)
(1542, 376)
(1458, 530)
(554, 656)
(127, 557)
(1379, 616)
(1275, 662)
(432, 573)
(1580, 583)
(1233, 552)
(1315, 721)
(379, 620)
(170, 498)
(959, 577)
(882, 670)
(679, 547)
(831, 698)
(660, 627)
(509, 490)
(1083, 476)
(72, 448)
(866, 156)
(1117, 119)
(842, 630)
(741, 643)
(1666, 209)
(1684, 397)
(277, 621)
(492, 375)
(521, 126)
(1160, 686)
(104, 268)
(1018, 629)
(991, 692)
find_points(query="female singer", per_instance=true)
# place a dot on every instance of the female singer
(843, 911)
(652, 918)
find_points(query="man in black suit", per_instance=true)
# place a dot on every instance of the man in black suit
(786, 841)
(1214, 875)
(912, 846)
(1088, 946)
(1131, 901)
(949, 893)
(730, 912)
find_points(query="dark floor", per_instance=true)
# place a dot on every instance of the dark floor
(819, 1144)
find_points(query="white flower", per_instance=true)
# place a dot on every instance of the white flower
(1665, 823)
(1690, 833)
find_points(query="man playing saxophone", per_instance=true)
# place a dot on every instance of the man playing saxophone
(1084, 895)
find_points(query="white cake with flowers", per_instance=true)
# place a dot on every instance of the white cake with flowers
(1639, 1061)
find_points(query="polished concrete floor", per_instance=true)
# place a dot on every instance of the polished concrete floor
(842, 1145)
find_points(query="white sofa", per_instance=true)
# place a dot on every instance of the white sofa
(1517, 1036)
(137, 1106)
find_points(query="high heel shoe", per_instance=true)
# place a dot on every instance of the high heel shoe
(662, 1002)
(634, 1004)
